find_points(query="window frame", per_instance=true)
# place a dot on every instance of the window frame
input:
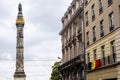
(113, 48)
(103, 54)
(86, 17)
(95, 54)
(88, 57)
(93, 12)
(87, 37)
(101, 28)
(94, 33)
(110, 2)
(111, 21)
(100, 6)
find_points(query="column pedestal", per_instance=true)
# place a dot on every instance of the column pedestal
(19, 76)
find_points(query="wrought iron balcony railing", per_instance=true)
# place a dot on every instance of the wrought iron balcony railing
(103, 62)
(72, 62)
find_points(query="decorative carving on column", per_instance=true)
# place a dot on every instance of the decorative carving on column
(19, 72)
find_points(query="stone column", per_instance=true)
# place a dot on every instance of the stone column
(19, 72)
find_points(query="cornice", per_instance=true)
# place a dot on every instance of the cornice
(76, 13)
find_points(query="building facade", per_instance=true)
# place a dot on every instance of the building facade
(102, 39)
(93, 26)
(72, 42)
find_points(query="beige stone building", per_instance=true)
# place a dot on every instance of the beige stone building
(93, 29)
(72, 42)
(102, 39)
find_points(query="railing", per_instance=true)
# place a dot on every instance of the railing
(73, 62)
(108, 60)
(105, 61)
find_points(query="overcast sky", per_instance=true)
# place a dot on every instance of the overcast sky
(42, 44)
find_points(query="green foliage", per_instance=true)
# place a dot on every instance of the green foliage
(55, 75)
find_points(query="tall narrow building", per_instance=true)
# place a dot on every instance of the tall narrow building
(19, 72)
(72, 63)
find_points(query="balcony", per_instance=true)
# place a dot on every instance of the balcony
(103, 62)
(108, 60)
(75, 61)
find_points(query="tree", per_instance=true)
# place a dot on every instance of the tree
(55, 75)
